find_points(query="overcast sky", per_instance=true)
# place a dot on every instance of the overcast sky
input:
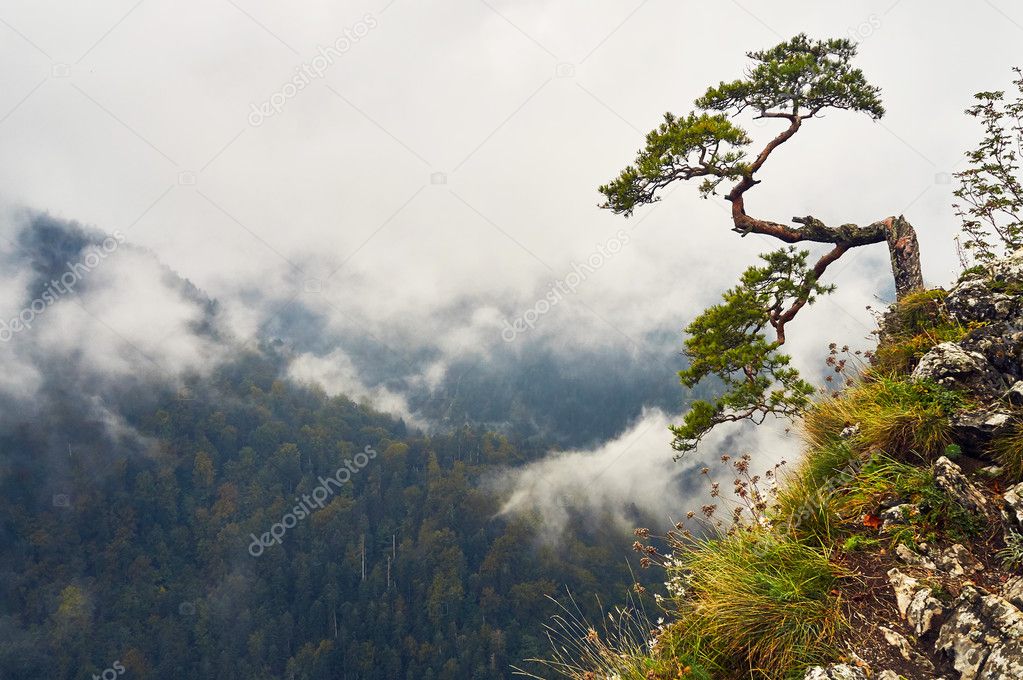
(438, 173)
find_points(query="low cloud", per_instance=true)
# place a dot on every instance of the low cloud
(337, 375)
(636, 475)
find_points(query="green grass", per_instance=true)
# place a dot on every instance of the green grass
(858, 542)
(916, 324)
(898, 416)
(882, 480)
(804, 500)
(757, 605)
(1008, 452)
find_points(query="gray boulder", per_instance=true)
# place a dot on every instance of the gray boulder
(1001, 343)
(840, 671)
(953, 367)
(975, 429)
(974, 300)
(983, 637)
(949, 478)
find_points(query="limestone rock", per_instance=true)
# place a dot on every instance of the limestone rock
(923, 610)
(906, 650)
(898, 641)
(955, 560)
(1013, 591)
(913, 558)
(974, 300)
(1001, 343)
(840, 671)
(905, 587)
(1012, 507)
(949, 478)
(915, 602)
(1008, 271)
(975, 429)
(953, 367)
(983, 637)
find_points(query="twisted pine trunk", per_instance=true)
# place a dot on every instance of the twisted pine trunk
(905, 255)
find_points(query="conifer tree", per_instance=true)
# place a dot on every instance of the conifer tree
(792, 83)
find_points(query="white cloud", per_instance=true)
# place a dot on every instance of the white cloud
(337, 375)
(636, 469)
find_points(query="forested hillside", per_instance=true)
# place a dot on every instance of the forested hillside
(406, 571)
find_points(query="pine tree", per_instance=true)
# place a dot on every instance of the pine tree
(793, 82)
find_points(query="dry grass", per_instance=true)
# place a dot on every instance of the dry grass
(895, 415)
(757, 605)
(615, 647)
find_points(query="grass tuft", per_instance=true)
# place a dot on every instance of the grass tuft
(895, 415)
(618, 647)
(914, 326)
(853, 503)
(805, 500)
(1008, 452)
(757, 604)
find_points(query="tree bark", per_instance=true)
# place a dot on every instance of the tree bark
(897, 232)
(905, 255)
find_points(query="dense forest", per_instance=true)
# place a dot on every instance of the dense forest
(406, 571)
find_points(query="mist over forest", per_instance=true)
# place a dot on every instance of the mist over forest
(374, 339)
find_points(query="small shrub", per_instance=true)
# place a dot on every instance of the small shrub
(757, 604)
(1012, 554)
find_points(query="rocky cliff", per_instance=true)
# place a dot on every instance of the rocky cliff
(959, 606)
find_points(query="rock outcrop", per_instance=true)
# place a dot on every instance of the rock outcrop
(951, 366)
(987, 363)
(837, 672)
(950, 478)
(983, 636)
(951, 622)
